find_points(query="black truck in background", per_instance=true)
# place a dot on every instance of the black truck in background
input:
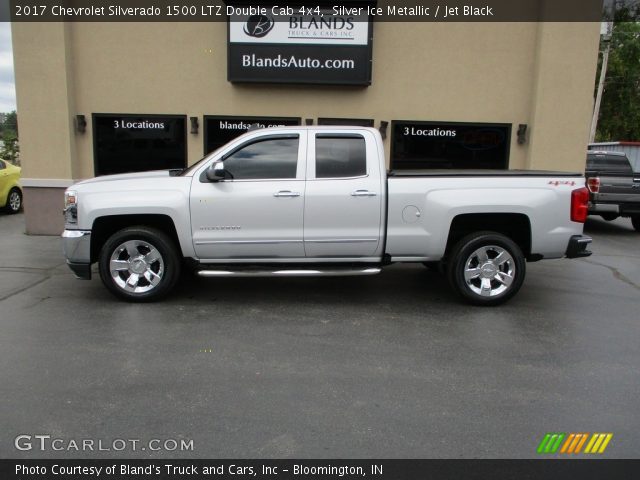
(614, 188)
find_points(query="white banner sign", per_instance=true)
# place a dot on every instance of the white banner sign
(321, 29)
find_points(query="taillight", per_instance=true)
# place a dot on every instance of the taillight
(579, 205)
(593, 184)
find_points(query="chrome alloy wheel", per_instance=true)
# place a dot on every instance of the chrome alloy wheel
(489, 271)
(14, 201)
(136, 266)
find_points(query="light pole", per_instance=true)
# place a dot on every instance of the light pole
(603, 74)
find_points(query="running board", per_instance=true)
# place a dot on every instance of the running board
(299, 272)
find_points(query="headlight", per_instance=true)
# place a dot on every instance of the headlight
(71, 206)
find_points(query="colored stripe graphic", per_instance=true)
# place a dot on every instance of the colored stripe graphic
(550, 442)
(565, 447)
(581, 443)
(573, 443)
(598, 443)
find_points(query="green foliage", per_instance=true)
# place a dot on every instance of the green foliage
(10, 149)
(10, 123)
(620, 109)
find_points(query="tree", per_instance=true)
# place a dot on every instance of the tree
(10, 149)
(10, 123)
(620, 109)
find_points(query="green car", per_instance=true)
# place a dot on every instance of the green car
(10, 189)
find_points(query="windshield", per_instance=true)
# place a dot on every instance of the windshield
(189, 170)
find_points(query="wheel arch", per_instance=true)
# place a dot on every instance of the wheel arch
(516, 226)
(105, 226)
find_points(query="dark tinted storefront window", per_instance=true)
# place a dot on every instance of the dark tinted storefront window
(358, 122)
(219, 130)
(135, 143)
(420, 145)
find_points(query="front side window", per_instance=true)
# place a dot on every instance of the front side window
(264, 159)
(338, 157)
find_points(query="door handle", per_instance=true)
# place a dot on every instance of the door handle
(363, 193)
(286, 193)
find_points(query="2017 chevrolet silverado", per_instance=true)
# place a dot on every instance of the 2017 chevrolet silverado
(312, 201)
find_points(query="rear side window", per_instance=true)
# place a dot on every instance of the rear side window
(264, 159)
(608, 163)
(340, 156)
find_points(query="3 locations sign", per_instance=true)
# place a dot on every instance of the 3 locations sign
(418, 145)
(134, 143)
(299, 45)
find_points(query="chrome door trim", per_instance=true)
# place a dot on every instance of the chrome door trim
(245, 242)
(342, 240)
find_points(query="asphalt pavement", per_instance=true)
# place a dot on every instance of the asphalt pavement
(390, 366)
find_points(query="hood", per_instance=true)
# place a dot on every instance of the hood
(126, 176)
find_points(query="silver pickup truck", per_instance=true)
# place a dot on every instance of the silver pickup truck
(314, 201)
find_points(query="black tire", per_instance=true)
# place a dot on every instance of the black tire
(635, 221)
(609, 217)
(14, 201)
(140, 274)
(491, 276)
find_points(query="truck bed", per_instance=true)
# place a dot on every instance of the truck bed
(480, 173)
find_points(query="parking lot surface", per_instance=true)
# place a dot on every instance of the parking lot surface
(390, 366)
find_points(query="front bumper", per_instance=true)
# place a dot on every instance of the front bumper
(76, 246)
(578, 246)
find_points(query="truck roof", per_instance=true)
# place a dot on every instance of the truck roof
(606, 152)
(319, 127)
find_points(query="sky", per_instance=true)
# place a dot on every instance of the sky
(7, 82)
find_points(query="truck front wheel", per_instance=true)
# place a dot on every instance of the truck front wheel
(139, 264)
(486, 268)
(635, 221)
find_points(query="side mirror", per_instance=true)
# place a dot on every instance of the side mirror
(215, 172)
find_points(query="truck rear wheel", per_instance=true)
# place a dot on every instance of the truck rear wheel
(486, 268)
(635, 221)
(139, 264)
